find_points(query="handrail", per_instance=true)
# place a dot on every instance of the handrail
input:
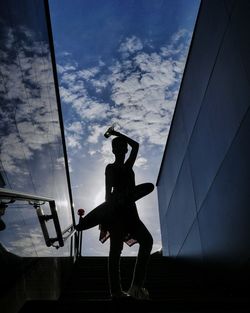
(10, 194)
(37, 201)
(81, 213)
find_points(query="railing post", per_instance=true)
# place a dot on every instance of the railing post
(52, 205)
(80, 212)
(42, 220)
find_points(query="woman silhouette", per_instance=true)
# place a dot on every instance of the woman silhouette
(119, 218)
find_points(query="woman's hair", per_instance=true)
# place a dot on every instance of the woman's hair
(119, 145)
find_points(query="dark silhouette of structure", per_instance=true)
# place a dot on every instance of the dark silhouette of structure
(118, 217)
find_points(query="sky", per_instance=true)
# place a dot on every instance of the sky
(119, 62)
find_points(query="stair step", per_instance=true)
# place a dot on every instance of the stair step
(173, 287)
(170, 305)
(166, 278)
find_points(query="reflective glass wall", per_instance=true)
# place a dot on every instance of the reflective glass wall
(31, 149)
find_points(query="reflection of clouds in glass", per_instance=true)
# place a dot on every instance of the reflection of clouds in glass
(22, 235)
(31, 152)
(28, 112)
(31, 244)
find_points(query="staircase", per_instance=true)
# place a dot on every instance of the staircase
(174, 286)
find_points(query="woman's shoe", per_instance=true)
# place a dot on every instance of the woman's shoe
(120, 295)
(139, 293)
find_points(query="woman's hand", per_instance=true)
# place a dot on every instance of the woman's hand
(114, 132)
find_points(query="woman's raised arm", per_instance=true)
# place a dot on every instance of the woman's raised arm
(134, 147)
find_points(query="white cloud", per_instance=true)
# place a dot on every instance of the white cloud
(99, 84)
(69, 77)
(74, 135)
(95, 132)
(73, 141)
(106, 154)
(143, 88)
(88, 73)
(91, 109)
(92, 152)
(70, 164)
(75, 127)
(60, 163)
(65, 68)
(141, 162)
(130, 45)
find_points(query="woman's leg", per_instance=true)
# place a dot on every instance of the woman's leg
(116, 246)
(145, 240)
(142, 190)
(93, 218)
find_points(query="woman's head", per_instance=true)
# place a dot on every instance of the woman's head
(119, 146)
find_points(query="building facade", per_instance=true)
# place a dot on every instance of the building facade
(204, 179)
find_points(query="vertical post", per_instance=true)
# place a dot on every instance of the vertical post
(42, 220)
(80, 244)
(60, 115)
(80, 212)
(53, 210)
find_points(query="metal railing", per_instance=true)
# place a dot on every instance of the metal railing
(8, 196)
(81, 213)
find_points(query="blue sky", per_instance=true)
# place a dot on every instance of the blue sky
(119, 61)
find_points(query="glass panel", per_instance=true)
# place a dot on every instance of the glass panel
(31, 151)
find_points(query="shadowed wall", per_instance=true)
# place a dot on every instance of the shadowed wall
(203, 184)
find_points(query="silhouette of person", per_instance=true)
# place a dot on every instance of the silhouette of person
(119, 220)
